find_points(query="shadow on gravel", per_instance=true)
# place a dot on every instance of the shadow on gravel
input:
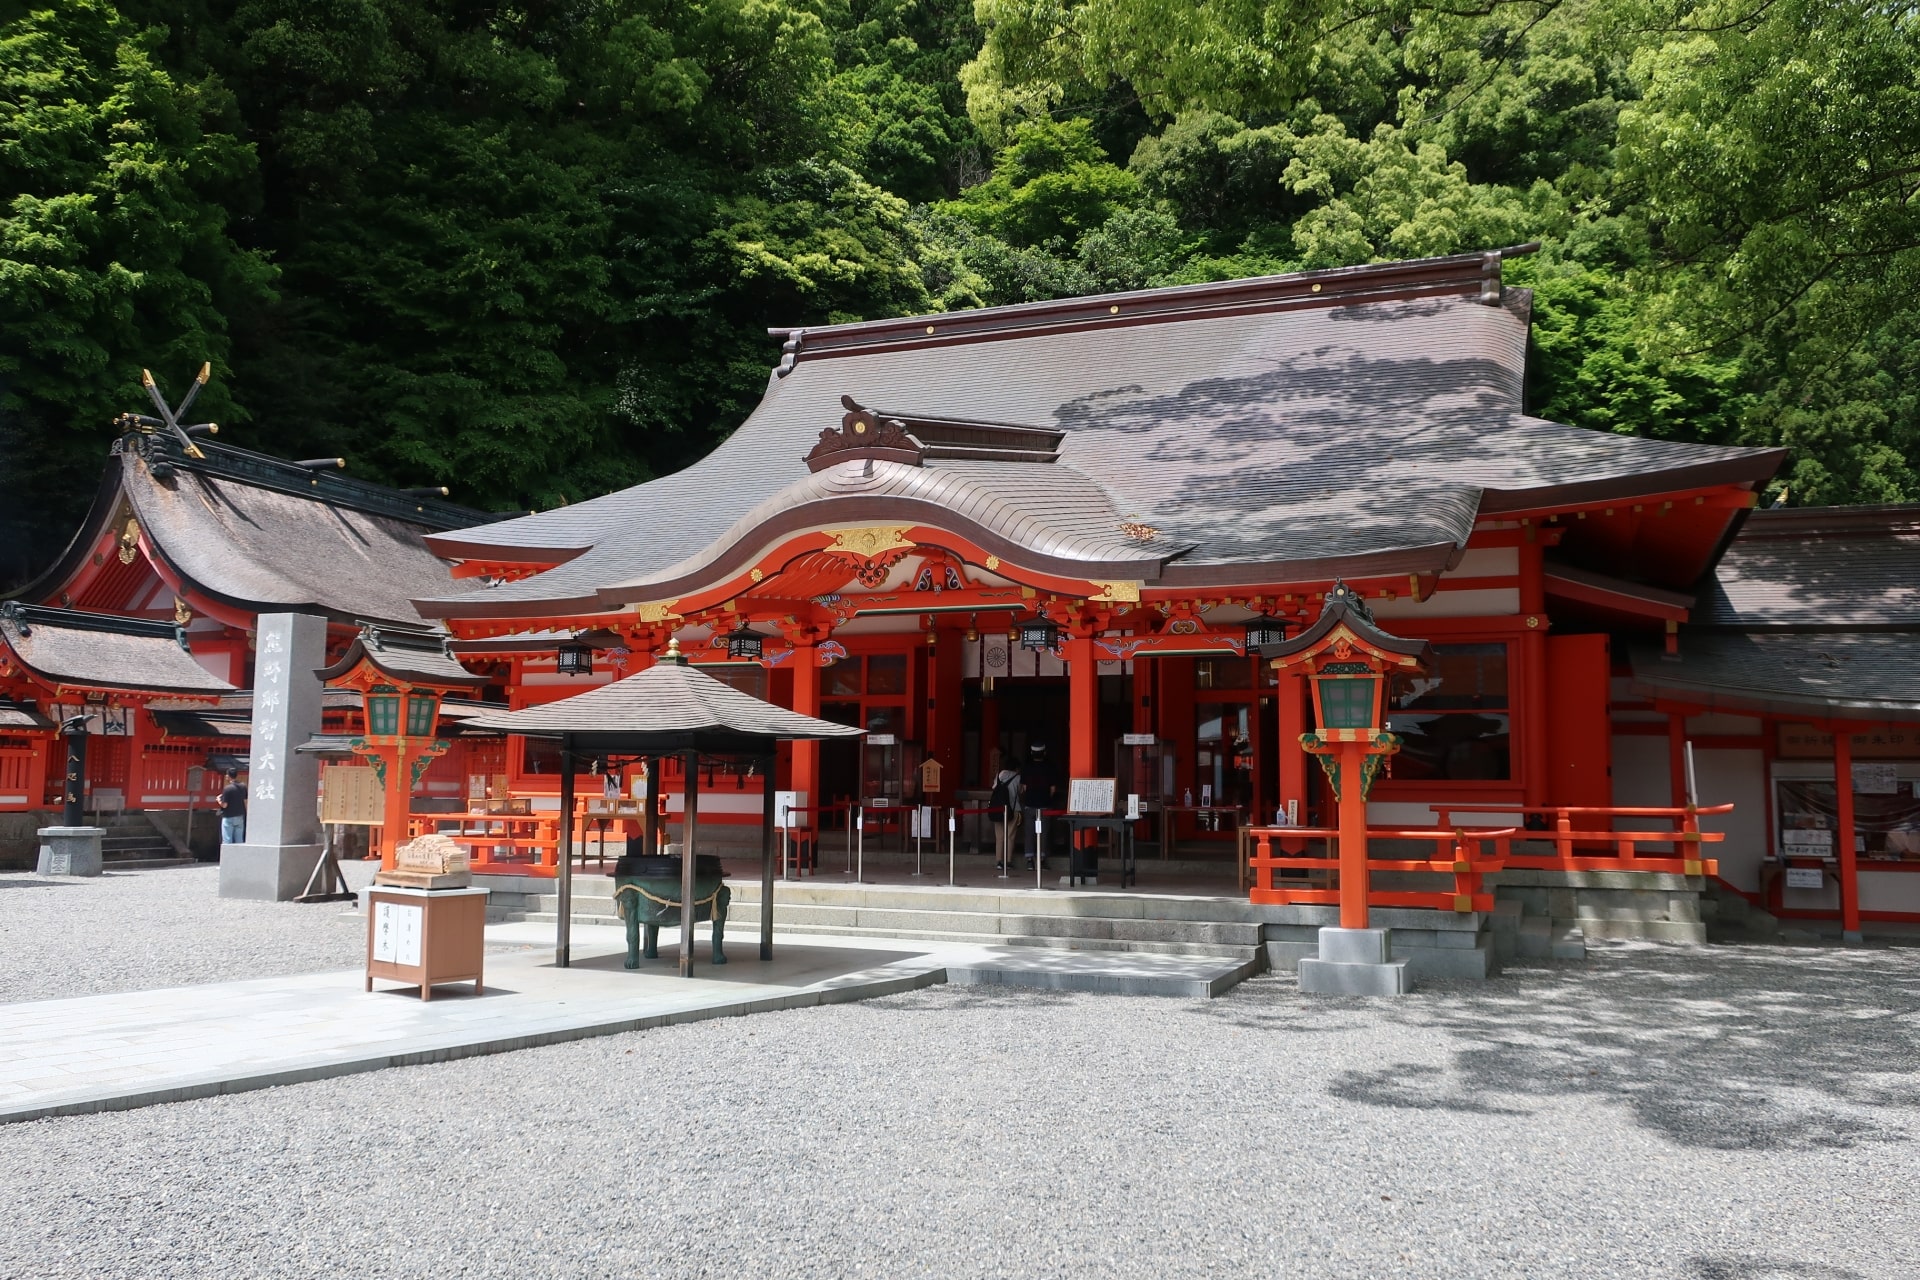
(38, 883)
(1748, 1267)
(1728, 1048)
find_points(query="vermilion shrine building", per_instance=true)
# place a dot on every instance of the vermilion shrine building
(1133, 485)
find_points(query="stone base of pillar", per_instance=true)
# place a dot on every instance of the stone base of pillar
(1354, 962)
(266, 872)
(69, 851)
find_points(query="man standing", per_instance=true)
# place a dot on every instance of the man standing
(233, 810)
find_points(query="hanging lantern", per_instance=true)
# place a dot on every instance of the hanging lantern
(1039, 634)
(1264, 630)
(746, 643)
(575, 659)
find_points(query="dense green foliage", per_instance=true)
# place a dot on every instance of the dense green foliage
(532, 251)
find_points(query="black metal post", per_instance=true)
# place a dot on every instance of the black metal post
(766, 863)
(689, 829)
(73, 794)
(563, 940)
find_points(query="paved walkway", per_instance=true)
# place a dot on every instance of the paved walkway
(114, 1052)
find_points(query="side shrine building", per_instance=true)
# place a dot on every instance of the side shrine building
(1057, 534)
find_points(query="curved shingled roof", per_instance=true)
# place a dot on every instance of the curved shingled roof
(1273, 430)
(99, 651)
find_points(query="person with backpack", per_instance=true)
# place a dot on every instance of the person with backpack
(1006, 805)
(1039, 791)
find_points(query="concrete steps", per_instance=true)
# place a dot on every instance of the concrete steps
(1041, 920)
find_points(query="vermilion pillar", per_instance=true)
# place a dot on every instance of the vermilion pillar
(399, 798)
(1292, 720)
(1353, 836)
(1083, 709)
(1843, 806)
(1533, 674)
(806, 701)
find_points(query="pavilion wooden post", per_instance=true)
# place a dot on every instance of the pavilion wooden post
(766, 861)
(650, 825)
(563, 937)
(1353, 836)
(689, 829)
(1848, 865)
(399, 799)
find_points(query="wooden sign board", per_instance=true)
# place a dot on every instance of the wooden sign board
(1090, 795)
(351, 795)
(929, 774)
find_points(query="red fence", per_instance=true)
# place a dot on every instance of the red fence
(1580, 843)
(1460, 854)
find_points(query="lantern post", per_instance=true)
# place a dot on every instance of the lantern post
(1349, 662)
(401, 676)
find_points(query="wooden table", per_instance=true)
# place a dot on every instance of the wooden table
(425, 936)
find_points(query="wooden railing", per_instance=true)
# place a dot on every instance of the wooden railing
(1577, 848)
(1461, 854)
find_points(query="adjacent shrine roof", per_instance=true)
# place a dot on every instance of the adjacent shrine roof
(1813, 611)
(1285, 429)
(1820, 567)
(263, 534)
(64, 647)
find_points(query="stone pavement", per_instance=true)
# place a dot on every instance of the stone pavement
(114, 1052)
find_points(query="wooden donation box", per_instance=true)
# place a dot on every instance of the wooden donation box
(425, 925)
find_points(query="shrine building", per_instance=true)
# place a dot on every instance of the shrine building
(1056, 528)
(186, 543)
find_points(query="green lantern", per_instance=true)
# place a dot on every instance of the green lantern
(383, 711)
(1347, 696)
(423, 713)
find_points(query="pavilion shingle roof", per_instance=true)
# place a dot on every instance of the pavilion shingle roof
(1267, 434)
(671, 698)
(406, 654)
(65, 647)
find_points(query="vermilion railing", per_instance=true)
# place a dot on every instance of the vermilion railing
(1576, 848)
(1462, 854)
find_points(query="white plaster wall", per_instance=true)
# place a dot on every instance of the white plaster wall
(1739, 778)
(1890, 891)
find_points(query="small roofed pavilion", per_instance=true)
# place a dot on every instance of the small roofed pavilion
(671, 708)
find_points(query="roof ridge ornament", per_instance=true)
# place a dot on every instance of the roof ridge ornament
(864, 434)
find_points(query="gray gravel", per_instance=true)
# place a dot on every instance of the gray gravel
(161, 927)
(1740, 1113)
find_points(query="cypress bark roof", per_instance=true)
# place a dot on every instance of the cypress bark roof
(100, 651)
(266, 535)
(1277, 430)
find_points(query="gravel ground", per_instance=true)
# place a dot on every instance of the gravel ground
(1735, 1113)
(161, 927)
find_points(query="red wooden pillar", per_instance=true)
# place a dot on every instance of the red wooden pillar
(1353, 836)
(399, 796)
(1083, 709)
(1533, 673)
(943, 690)
(806, 701)
(1677, 757)
(1843, 806)
(1294, 762)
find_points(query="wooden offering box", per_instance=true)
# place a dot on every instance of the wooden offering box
(421, 937)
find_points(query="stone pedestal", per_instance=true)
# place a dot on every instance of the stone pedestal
(1354, 962)
(266, 872)
(69, 851)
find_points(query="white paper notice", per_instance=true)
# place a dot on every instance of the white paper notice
(396, 933)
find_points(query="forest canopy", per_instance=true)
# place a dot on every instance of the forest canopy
(531, 252)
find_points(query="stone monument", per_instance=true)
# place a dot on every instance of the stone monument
(283, 785)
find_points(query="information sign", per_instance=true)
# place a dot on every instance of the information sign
(1875, 779)
(1090, 795)
(1805, 877)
